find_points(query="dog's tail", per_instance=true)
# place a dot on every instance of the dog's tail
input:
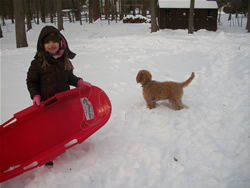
(185, 84)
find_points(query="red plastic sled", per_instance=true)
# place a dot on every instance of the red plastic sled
(37, 135)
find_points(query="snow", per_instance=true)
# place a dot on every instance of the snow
(207, 144)
(186, 4)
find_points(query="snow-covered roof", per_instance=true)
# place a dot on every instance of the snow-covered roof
(199, 4)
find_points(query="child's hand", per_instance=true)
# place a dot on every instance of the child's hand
(83, 83)
(37, 100)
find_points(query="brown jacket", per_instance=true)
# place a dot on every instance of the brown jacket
(54, 78)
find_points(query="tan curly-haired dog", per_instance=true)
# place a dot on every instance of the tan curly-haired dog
(154, 91)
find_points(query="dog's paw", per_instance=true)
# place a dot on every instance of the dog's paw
(151, 107)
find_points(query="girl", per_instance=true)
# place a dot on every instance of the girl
(51, 71)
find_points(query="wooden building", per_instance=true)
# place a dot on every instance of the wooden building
(174, 14)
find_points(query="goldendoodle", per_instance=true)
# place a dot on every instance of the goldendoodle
(154, 91)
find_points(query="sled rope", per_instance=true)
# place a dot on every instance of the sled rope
(84, 121)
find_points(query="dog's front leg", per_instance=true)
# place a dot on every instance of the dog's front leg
(151, 103)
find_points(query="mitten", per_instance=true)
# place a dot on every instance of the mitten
(83, 83)
(37, 100)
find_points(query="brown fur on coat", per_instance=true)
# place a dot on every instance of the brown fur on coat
(154, 91)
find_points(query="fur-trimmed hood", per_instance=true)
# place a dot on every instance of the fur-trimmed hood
(50, 29)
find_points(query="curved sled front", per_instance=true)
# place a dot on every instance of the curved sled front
(37, 135)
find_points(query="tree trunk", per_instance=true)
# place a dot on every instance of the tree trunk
(106, 9)
(113, 10)
(3, 21)
(51, 9)
(42, 4)
(28, 14)
(11, 11)
(37, 11)
(248, 18)
(153, 16)
(78, 12)
(121, 9)
(21, 40)
(191, 18)
(96, 9)
(59, 15)
(1, 33)
(133, 7)
(144, 11)
(91, 11)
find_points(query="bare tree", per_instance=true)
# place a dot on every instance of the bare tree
(42, 10)
(106, 9)
(234, 8)
(153, 16)
(113, 9)
(191, 17)
(248, 18)
(76, 5)
(6, 10)
(37, 8)
(96, 9)
(121, 9)
(28, 14)
(2, 11)
(11, 11)
(1, 33)
(21, 40)
(90, 11)
(144, 10)
(51, 9)
(59, 15)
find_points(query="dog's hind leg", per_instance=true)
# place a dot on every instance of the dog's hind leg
(176, 103)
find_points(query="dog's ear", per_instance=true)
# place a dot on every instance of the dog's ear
(147, 76)
(138, 77)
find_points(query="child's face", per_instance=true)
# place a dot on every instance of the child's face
(51, 47)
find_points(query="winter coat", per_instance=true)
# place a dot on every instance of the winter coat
(54, 78)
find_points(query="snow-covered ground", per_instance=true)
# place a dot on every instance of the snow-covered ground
(207, 144)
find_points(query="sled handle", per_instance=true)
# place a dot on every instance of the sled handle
(49, 101)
